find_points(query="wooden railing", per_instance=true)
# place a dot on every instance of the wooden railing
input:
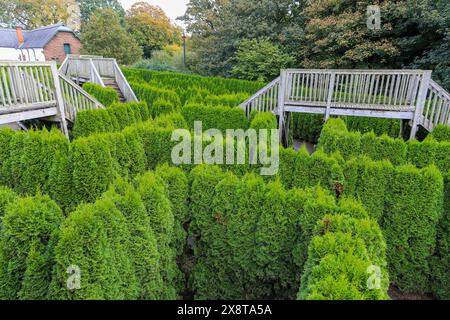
(437, 107)
(93, 69)
(25, 86)
(265, 100)
(32, 90)
(400, 94)
(75, 99)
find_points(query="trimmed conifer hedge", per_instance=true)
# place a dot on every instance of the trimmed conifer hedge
(115, 118)
(441, 133)
(27, 240)
(218, 117)
(104, 95)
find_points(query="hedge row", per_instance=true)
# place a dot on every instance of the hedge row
(150, 94)
(345, 256)
(335, 137)
(115, 118)
(218, 117)
(122, 245)
(30, 161)
(441, 133)
(27, 240)
(251, 237)
(104, 95)
(214, 85)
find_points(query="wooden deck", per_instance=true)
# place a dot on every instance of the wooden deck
(36, 90)
(397, 94)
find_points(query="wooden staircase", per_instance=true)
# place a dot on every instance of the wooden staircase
(398, 94)
(36, 90)
(99, 70)
(111, 83)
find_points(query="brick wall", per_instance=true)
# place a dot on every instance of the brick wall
(54, 50)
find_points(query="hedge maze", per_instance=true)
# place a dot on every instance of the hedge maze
(365, 212)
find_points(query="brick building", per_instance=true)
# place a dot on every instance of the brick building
(43, 44)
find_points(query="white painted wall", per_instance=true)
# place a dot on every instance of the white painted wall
(22, 54)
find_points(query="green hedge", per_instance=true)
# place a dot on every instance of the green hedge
(115, 118)
(441, 133)
(104, 95)
(154, 195)
(26, 244)
(335, 137)
(264, 120)
(307, 127)
(151, 94)
(412, 210)
(218, 117)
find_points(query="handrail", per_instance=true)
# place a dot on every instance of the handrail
(437, 107)
(95, 76)
(76, 99)
(265, 99)
(123, 84)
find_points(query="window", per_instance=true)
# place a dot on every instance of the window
(67, 49)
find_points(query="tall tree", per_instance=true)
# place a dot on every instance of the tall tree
(32, 14)
(218, 26)
(151, 27)
(104, 35)
(88, 7)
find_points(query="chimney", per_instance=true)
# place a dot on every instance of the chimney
(19, 34)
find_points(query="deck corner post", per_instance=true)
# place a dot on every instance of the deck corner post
(422, 96)
(59, 99)
(281, 99)
(330, 95)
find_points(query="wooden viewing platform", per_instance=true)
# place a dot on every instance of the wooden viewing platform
(395, 94)
(36, 90)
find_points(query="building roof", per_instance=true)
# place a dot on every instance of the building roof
(37, 38)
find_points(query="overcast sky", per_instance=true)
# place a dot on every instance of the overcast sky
(173, 8)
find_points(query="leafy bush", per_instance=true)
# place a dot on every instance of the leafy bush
(104, 95)
(307, 127)
(441, 133)
(412, 210)
(150, 94)
(115, 118)
(264, 120)
(93, 169)
(153, 193)
(218, 117)
(161, 106)
(26, 247)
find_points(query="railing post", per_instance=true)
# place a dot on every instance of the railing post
(422, 96)
(59, 99)
(281, 99)
(330, 95)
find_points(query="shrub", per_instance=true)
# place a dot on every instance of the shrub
(175, 120)
(391, 127)
(26, 247)
(153, 193)
(176, 185)
(142, 246)
(307, 127)
(337, 270)
(264, 120)
(6, 197)
(161, 106)
(335, 137)
(84, 246)
(104, 95)
(368, 181)
(440, 262)
(150, 94)
(412, 211)
(441, 133)
(93, 169)
(6, 136)
(218, 117)
(91, 121)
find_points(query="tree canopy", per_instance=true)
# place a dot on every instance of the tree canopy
(104, 35)
(88, 7)
(32, 14)
(151, 28)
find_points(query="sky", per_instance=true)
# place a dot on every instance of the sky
(173, 8)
